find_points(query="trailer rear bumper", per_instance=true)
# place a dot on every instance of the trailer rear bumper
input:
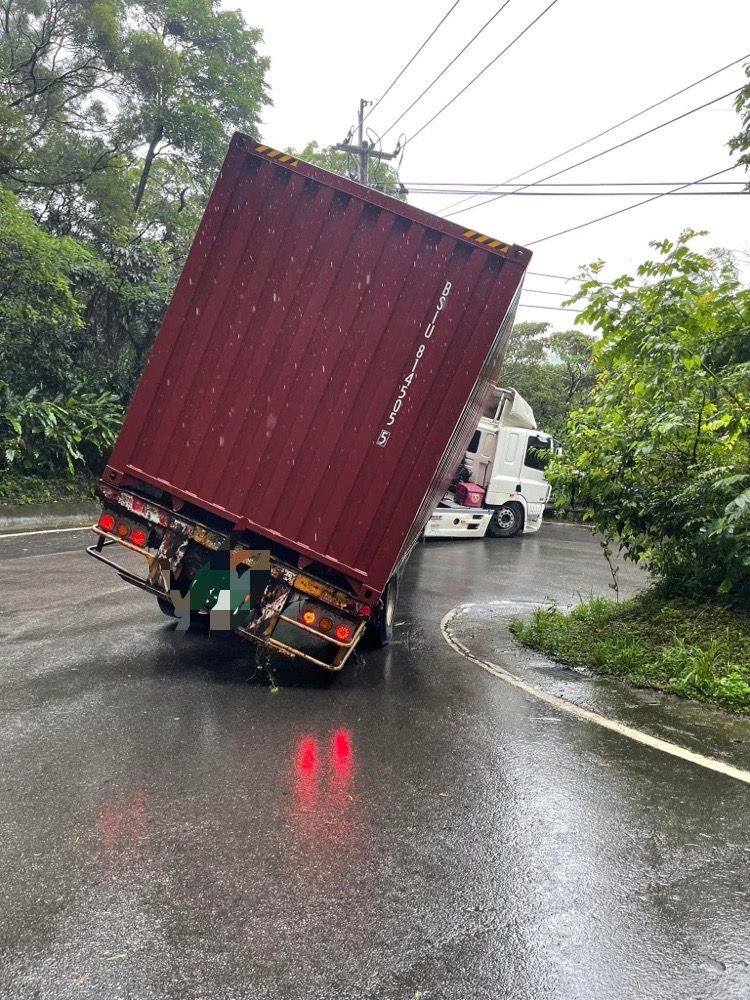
(292, 612)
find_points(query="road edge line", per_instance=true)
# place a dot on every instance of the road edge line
(655, 742)
(44, 531)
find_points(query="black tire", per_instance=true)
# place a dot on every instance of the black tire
(506, 521)
(379, 631)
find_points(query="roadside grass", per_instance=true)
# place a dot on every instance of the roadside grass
(20, 489)
(696, 650)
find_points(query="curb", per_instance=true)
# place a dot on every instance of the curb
(31, 517)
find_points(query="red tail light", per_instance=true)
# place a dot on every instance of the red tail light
(138, 538)
(364, 611)
(343, 633)
(106, 522)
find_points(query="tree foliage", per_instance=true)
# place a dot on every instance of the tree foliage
(381, 174)
(660, 456)
(114, 120)
(741, 142)
(553, 371)
(40, 316)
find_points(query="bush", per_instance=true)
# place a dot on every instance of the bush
(690, 648)
(47, 436)
(660, 457)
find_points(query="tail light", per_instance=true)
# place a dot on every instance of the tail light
(138, 538)
(308, 618)
(123, 530)
(364, 611)
(106, 522)
(343, 633)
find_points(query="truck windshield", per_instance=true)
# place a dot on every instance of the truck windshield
(538, 451)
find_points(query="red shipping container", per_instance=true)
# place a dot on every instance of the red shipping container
(322, 364)
(469, 494)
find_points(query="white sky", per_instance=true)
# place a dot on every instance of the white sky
(584, 66)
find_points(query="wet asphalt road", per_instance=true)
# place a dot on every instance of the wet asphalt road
(172, 827)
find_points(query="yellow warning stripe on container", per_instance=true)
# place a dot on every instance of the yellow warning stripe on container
(286, 158)
(472, 234)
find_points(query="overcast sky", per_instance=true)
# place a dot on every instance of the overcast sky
(586, 65)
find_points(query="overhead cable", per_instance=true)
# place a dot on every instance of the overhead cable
(445, 69)
(395, 80)
(619, 211)
(611, 128)
(603, 152)
(480, 73)
(556, 184)
(564, 309)
(586, 194)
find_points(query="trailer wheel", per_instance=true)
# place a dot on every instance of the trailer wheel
(506, 521)
(379, 631)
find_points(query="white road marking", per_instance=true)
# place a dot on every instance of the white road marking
(44, 531)
(584, 713)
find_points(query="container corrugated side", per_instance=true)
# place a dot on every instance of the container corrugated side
(322, 364)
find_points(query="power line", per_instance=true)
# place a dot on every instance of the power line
(395, 80)
(542, 291)
(611, 128)
(481, 72)
(445, 69)
(562, 277)
(587, 194)
(565, 309)
(627, 208)
(459, 184)
(610, 149)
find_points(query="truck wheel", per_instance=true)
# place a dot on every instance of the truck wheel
(507, 521)
(379, 631)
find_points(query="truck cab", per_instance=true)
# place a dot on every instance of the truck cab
(507, 456)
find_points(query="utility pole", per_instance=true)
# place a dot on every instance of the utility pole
(364, 150)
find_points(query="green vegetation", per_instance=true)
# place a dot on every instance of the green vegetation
(741, 142)
(554, 372)
(381, 174)
(687, 647)
(16, 488)
(114, 120)
(659, 456)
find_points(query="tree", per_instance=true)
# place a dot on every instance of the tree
(107, 87)
(741, 142)
(57, 59)
(191, 75)
(40, 316)
(660, 456)
(574, 350)
(382, 175)
(114, 120)
(552, 371)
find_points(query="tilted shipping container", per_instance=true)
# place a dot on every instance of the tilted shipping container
(321, 367)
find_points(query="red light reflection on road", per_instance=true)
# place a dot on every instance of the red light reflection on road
(306, 766)
(322, 776)
(307, 757)
(342, 755)
(122, 827)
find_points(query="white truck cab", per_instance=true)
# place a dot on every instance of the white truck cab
(507, 456)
